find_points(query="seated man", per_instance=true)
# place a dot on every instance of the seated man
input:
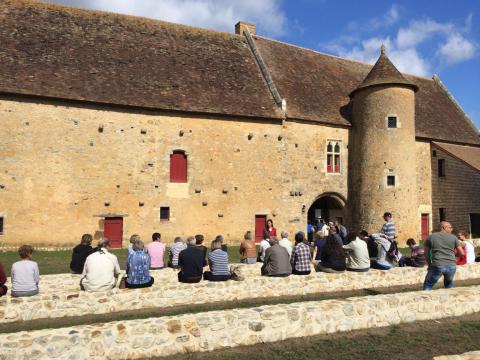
(101, 270)
(277, 261)
(301, 255)
(80, 253)
(417, 255)
(356, 251)
(191, 262)
(138, 267)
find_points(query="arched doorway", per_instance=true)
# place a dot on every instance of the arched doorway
(328, 206)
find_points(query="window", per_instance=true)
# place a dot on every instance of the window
(442, 213)
(1, 225)
(178, 167)
(333, 157)
(441, 167)
(164, 213)
(391, 180)
(392, 122)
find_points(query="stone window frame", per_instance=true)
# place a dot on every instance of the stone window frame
(333, 153)
(164, 220)
(399, 124)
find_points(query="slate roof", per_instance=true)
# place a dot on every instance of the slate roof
(60, 52)
(470, 155)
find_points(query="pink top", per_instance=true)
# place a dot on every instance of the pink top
(156, 249)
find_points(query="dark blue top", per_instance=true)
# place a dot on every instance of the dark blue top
(319, 244)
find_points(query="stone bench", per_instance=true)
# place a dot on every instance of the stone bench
(214, 330)
(472, 355)
(60, 303)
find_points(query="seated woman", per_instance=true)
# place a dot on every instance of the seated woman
(382, 261)
(417, 255)
(248, 249)
(138, 268)
(3, 280)
(301, 256)
(25, 274)
(218, 262)
(318, 246)
(333, 257)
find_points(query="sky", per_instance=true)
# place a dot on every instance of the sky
(422, 37)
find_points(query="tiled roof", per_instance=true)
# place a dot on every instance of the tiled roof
(470, 155)
(60, 52)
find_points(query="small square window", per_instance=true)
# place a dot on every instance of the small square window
(164, 213)
(1, 225)
(392, 122)
(390, 180)
(441, 167)
(442, 213)
(434, 153)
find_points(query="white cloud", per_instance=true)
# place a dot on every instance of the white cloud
(457, 49)
(420, 31)
(212, 14)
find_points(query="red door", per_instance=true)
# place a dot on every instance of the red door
(113, 231)
(260, 221)
(425, 226)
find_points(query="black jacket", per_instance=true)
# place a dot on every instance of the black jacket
(79, 255)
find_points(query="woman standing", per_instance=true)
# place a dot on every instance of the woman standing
(270, 229)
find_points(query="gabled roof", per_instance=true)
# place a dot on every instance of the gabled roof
(470, 155)
(60, 52)
(384, 73)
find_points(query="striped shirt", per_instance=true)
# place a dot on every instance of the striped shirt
(301, 257)
(218, 260)
(175, 250)
(389, 230)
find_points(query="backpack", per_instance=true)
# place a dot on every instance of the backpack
(393, 254)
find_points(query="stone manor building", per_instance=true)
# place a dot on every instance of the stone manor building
(116, 125)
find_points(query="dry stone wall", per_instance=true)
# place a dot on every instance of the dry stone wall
(220, 329)
(61, 297)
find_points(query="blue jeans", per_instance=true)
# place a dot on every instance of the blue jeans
(435, 272)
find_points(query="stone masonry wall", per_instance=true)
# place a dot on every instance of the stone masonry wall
(219, 329)
(60, 295)
(62, 164)
(458, 192)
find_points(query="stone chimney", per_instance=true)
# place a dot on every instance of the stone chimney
(241, 25)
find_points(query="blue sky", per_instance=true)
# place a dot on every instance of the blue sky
(422, 37)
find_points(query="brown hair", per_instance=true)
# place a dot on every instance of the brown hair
(86, 239)
(411, 242)
(25, 250)
(199, 239)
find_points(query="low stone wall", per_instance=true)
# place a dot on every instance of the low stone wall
(473, 355)
(219, 329)
(60, 303)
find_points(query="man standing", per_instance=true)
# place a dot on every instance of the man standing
(441, 246)
(101, 270)
(388, 229)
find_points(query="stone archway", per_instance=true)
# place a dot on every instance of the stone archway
(328, 206)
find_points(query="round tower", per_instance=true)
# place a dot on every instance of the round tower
(382, 173)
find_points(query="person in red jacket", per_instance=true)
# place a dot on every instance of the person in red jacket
(3, 280)
(270, 229)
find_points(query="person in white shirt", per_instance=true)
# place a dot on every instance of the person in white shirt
(264, 245)
(101, 270)
(25, 274)
(357, 254)
(286, 243)
(469, 248)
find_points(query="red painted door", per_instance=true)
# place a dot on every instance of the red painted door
(113, 231)
(425, 226)
(260, 221)
(178, 167)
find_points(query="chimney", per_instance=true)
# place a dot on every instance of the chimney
(241, 25)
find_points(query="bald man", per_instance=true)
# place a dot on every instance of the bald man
(439, 248)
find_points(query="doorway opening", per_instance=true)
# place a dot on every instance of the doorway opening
(328, 207)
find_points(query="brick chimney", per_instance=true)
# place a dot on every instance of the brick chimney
(241, 25)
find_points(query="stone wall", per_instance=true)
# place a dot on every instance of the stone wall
(64, 163)
(472, 355)
(60, 295)
(458, 191)
(219, 329)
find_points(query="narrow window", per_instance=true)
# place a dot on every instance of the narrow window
(391, 180)
(434, 153)
(1, 225)
(178, 167)
(441, 167)
(442, 212)
(164, 213)
(392, 122)
(333, 157)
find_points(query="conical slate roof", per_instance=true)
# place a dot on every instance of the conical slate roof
(384, 73)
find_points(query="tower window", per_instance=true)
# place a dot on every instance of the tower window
(164, 213)
(333, 156)
(441, 167)
(392, 122)
(178, 167)
(391, 180)
(442, 213)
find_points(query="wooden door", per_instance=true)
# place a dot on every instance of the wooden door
(425, 226)
(260, 221)
(113, 231)
(475, 225)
